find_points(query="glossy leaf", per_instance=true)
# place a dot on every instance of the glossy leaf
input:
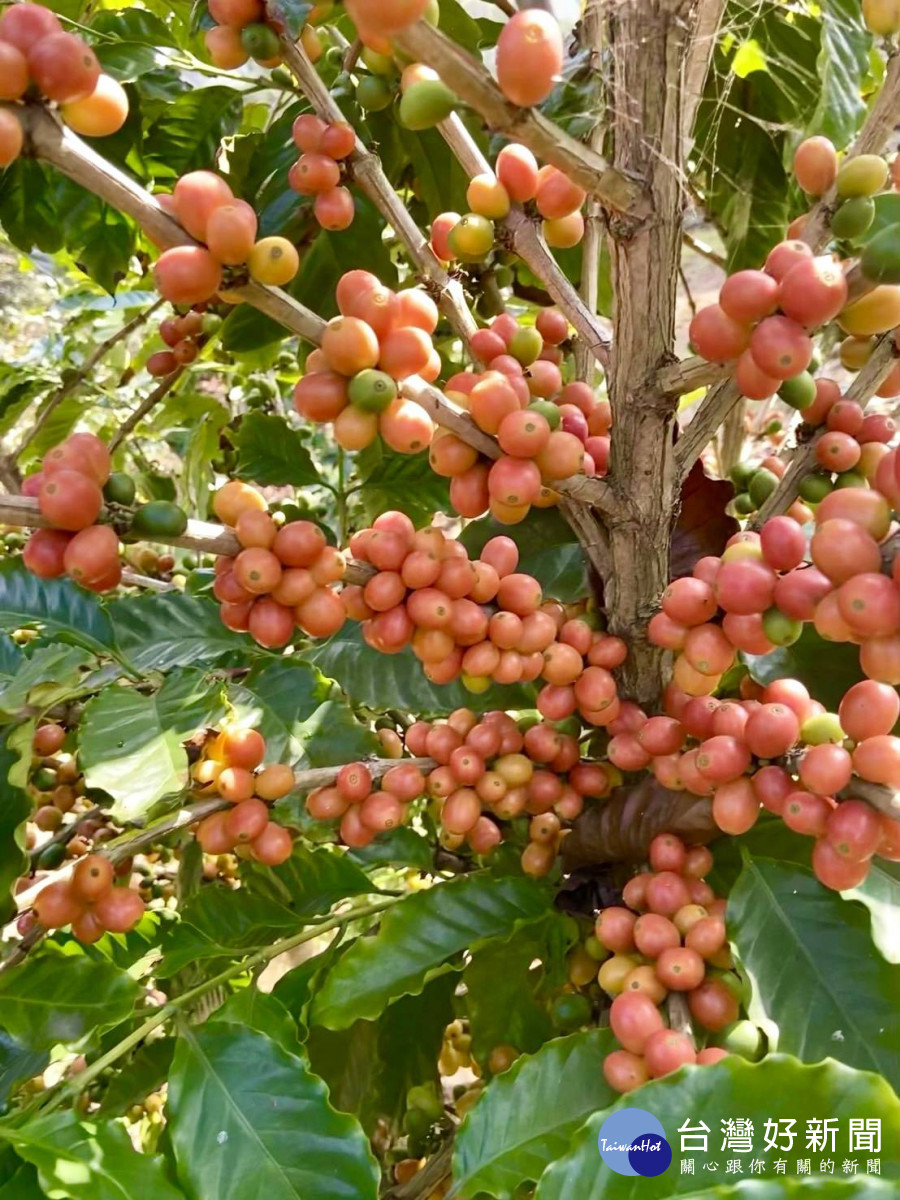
(46, 999)
(843, 70)
(45, 677)
(385, 681)
(311, 881)
(803, 661)
(218, 922)
(146, 1072)
(249, 1008)
(418, 937)
(814, 975)
(59, 605)
(90, 1160)
(388, 480)
(131, 742)
(370, 1067)
(508, 1139)
(158, 632)
(271, 453)
(778, 1089)
(15, 809)
(247, 1118)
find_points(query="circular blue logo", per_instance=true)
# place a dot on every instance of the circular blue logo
(633, 1142)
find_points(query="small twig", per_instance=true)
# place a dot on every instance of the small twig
(692, 373)
(132, 842)
(687, 290)
(473, 84)
(369, 175)
(423, 1183)
(244, 966)
(711, 413)
(703, 250)
(133, 579)
(679, 1014)
(731, 438)
(77, 377)
(351, 56)
(591, 36)
(160, 392)
(707, 20)
(593, 332)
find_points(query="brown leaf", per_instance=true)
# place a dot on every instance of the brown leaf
(621, 828)
(703, 526)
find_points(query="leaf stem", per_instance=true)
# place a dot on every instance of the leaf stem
(96, 1068)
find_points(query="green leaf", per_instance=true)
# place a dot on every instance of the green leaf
(57, 665)
(219, 922)
(388, 480)
(158, 632)
(146, 1072)
(49, 999)
(401, 847)
(803, 661)
(249, 1119)
(131, 743)
(809, 956)
(778, 1089)
(106, 247)
(59, 605)
(18, 1180)
(90, 1160)
(503, 985)
(371, 1066)
(880, 893)
(417, 937)
(310, 882)
(548, 550)
(270, 453)
(27, 211)
(187, 134)
(507, 1139)
(383, 681)
(302, 716)
(843, 68)
(17, 1063)
(15, 809)
(250, 1008)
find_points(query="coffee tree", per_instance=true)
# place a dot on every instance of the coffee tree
(451, 596)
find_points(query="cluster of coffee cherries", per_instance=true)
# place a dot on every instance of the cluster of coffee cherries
(469, 237)
(69, 490)
(851, 452)
(856, 181)
(767, 591)
(89, 901)
(205, 206)
(667, 936)
(762, 320)
(55, 782)
(231, 767)
(184, 334)
(244, 30)
(490, 771)
(381, 338)
(35, 52)
(317, 171)
(363, 807)
(546, 431)
(479, 619)
(282, 577)
(71, 486)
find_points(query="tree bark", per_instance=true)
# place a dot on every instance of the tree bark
(648, 40)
